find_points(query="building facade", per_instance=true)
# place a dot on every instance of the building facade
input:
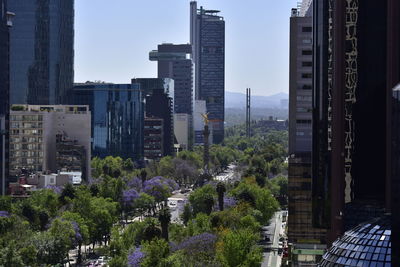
(117, 118)
(357, 49)
(5, 23)
(70, 156)
(182, 129)
(174, 62)
(153, 138)
(207, 37)
(159, 105)
(34, 131)
(308, 241)
(41, 51)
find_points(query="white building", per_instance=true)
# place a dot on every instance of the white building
(182, 129)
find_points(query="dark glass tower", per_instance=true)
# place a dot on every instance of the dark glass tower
(4, 95)
(357, 65)
(159, 105)
(207, 36)
(117, 118)
(158, 94)
(42, 51)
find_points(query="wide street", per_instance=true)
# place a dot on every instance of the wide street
(273, 230)
(229, 175)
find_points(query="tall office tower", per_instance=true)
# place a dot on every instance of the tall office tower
(308, 242)
(357, 65)
(5, 23)
(174, 62)
(117, 118)
(159, 103)
(207, 37)
(41, 51)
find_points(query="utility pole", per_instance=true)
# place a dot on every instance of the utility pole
(248, 114)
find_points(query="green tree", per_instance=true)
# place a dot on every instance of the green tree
(165, 218)
(9, 256)
(81, 230)
(156, 251)
(202, 199)
(238, 248)
(221, 191)
(67, 194)
(186, 214)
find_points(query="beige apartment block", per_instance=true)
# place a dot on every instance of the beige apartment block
(33, 136)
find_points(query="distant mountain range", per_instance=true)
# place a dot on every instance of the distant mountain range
(238, 100)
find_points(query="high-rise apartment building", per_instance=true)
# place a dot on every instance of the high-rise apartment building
(41, 51)
(117, 118)
(174, 62)
(37, 131)
(207, 37)
(357, 64)
(308, 242)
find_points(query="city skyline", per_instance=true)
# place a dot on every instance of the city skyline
(126, 46)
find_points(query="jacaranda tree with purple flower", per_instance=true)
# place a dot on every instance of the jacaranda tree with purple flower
(135, 183)
(159, 187)
(199, 248)
(135, 258)
(80, 228)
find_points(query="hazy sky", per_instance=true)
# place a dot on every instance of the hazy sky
(113, 39)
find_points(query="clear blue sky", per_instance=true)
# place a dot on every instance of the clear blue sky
(113, 39)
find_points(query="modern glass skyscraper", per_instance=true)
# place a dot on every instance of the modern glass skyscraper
(159, 103)
(117, 118)
(207, 36)
(4, 94)
(357, 64)
(41, 51)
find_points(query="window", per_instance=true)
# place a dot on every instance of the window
(301, 109)
(306, 64)
(306, 52)
(307, 41)
(303, 121)
(307, 87)
(303, 98)
(306, 29)
(306, 75)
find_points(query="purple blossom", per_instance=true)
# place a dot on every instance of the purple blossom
(129, 196)
(136, 184)
(4, 213)
(204, 242)
(78, 236)
(56, 189)
(135, 258)
(229, 202)
(159, 187)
